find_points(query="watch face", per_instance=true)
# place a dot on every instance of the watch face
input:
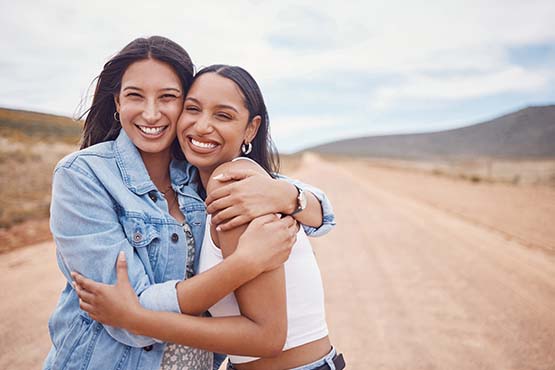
(302, 200)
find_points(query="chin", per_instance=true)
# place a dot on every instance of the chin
(202, 164)
(154, 149)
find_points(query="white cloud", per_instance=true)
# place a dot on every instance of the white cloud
(460, 87)
(435, 49)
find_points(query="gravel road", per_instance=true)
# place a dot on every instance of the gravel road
(422, 272)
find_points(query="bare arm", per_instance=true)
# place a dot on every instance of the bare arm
(254, 194)
(263, 299)
(254, 255)
(117, 305)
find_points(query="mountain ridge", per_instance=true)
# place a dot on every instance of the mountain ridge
(526, 133)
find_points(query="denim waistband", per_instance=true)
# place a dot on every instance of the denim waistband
(327, 359)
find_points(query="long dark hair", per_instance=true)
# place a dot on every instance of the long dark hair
(100, 124)
(263, 148)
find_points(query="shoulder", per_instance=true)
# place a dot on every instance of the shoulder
(241, 163)
(95, 154)
(236, 167)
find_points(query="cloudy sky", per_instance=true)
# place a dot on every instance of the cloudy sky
(328, 69)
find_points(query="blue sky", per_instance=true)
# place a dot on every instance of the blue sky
(328, 69)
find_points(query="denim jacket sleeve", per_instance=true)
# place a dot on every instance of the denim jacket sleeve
(328, 217)
(89, 236)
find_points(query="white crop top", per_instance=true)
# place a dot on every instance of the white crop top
(306, 319)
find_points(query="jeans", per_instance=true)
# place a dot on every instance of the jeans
(327, 359)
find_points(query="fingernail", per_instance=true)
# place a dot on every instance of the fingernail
(219, 177)
(218, 228)
(122, 255)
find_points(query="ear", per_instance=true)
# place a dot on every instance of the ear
(252, 129)
(116, 101)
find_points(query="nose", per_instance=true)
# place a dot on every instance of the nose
(151, 112)
(203, 125)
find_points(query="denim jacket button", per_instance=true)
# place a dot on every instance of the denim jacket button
(175, 237)
(137, 237)
(148, 348)
(152, 195)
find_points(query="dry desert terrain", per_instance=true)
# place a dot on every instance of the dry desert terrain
(421, 272)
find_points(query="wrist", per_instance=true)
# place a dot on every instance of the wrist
(290, 197)
(299, 201)
(134, 319)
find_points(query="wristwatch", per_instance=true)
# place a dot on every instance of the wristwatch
(301, 201)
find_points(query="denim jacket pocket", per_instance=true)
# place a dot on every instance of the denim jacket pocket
(143, 235)
(139, 232)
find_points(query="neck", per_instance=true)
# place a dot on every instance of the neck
(206, 172)
(158, 168)
(204, 176)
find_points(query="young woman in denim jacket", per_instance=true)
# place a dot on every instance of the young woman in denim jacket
(130, 190)
(280, 314)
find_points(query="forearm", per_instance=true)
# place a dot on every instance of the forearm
(234, 334)
(197, 294)
(311, 215)
(323, 209)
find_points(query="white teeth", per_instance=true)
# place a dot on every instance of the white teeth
(152, 130)
(202, 145)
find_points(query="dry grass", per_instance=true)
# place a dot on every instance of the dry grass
(25, 185)
(30, 146)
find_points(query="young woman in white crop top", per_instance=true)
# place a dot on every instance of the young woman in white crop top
(306, 321)
(278, 316)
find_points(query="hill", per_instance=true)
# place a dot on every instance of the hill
(16, 123)
(526, 134)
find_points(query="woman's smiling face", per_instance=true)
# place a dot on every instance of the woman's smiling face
(149, 104)
(214, 122)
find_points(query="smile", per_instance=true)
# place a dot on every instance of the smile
(203, 145)
(152, 130)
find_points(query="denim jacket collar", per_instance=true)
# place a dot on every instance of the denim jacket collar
(185, 178)
(134, 173)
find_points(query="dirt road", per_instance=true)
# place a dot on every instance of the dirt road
(422, 272)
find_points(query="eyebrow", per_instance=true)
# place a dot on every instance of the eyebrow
(219, 105)
(164, 89)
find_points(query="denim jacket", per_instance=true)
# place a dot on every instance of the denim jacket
(103, 202)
